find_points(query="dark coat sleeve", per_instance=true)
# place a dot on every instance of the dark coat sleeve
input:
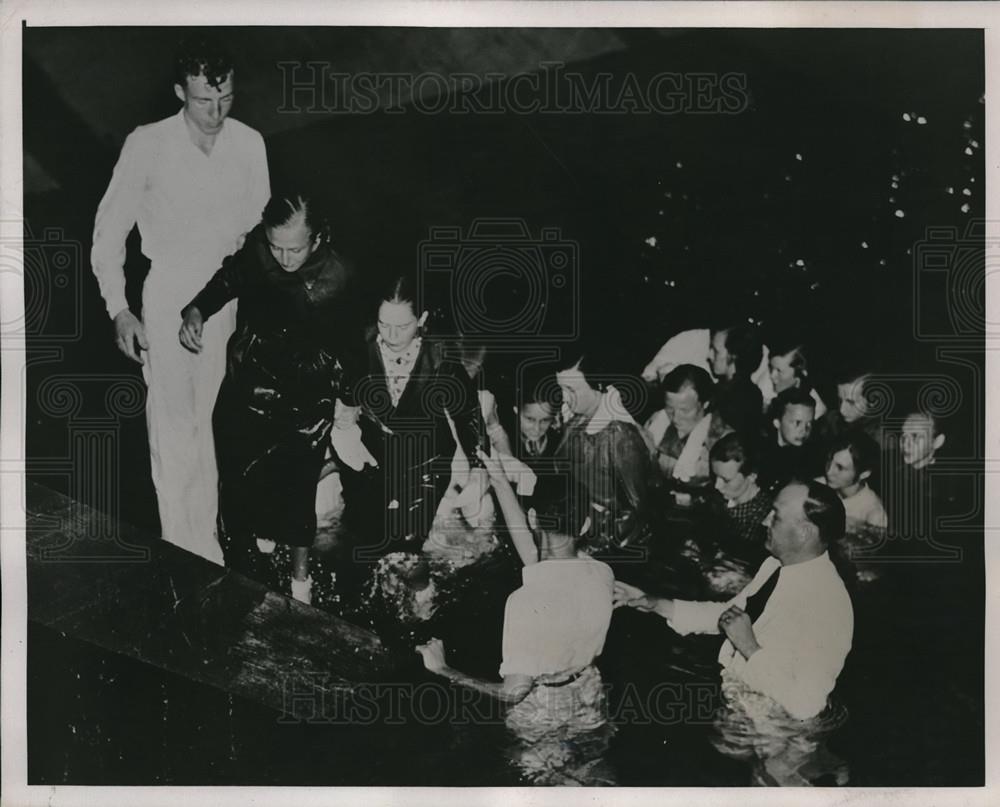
(229, 281)
(467, 416)
(630, 459)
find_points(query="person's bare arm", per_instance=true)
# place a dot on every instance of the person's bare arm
(517, 525)
(513, 689)
(634, 597)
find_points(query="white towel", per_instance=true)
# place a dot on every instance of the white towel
(687, 462)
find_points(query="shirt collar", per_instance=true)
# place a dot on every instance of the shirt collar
(552, 567)
(610, 408)
(807, 567)
(183, 131)
(406, 357)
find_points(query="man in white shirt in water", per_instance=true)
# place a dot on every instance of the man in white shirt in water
(787, 633)
(194, 183)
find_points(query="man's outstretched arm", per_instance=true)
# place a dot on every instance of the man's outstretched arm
(513, 689)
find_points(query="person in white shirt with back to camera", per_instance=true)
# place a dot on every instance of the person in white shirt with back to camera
(554, 629)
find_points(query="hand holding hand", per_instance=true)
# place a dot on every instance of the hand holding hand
(735, 624)
(624, 594)
(129, 332)
(190, 332)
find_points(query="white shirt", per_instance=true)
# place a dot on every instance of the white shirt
(398, 367)
(558, 620)
(804, 633)
(865, 507)
(192, 209)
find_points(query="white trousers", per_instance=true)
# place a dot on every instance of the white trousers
(181, 392)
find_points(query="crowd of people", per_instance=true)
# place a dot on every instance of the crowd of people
(270, 365)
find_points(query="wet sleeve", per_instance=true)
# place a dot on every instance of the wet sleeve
(226, 284)
(703, 617)
(630, 457)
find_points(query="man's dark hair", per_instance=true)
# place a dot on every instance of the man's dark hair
(824, 508)
(745, 348)
(732, 447)
(202, 54)
(793, 347)
(562, 515)
(793, 396)
(284, 206)
(539, 386)
(689, 375)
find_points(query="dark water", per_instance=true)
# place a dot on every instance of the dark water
(675, 219)
(102, 718)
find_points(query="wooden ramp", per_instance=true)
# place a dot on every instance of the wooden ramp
(116, 587)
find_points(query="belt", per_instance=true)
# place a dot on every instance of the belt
(565, 681)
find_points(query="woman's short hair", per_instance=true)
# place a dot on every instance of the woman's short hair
(795, 350)
(590, 361)
(745, 347)
(401, 289)
(863, 449)
(689, 375)
(283, 206)
(731, 447)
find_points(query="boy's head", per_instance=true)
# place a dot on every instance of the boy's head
(792, 415)
(538, 401)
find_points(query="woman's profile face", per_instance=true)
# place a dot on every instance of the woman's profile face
(398, 325)
(840, 472)
(578, 396)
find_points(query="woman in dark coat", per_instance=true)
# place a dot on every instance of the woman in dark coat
(288, 364)
(416, 401)
(608, 456)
